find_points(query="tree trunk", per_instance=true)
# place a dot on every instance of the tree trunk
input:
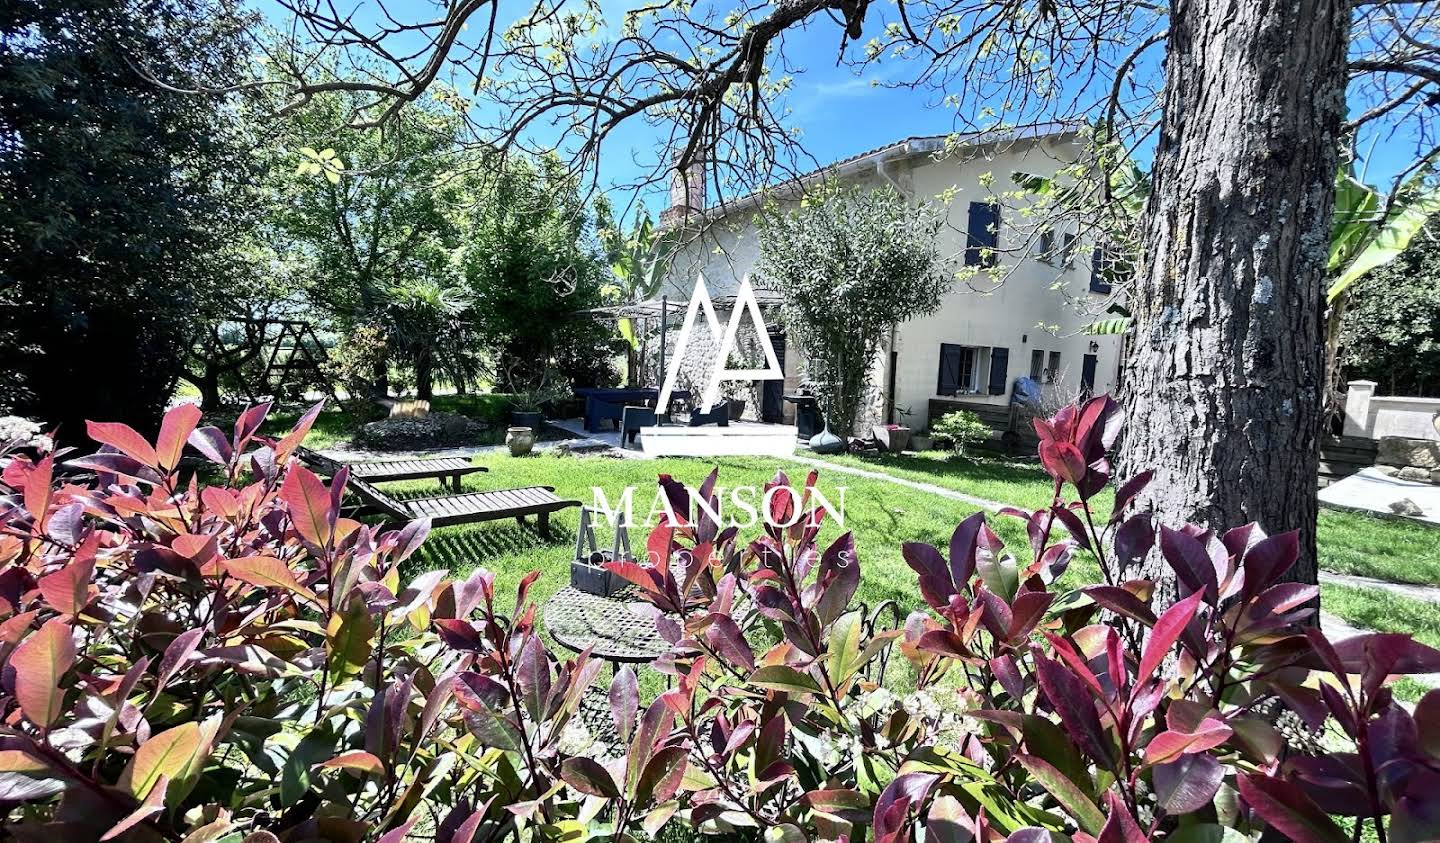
(1225, 375)
(424, 377)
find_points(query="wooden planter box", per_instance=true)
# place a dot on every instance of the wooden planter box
(892, 439)
(588, 576)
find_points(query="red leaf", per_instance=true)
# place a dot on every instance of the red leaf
(1073, 701)
(177, 655)
(1173, 743)
(589, 777)
(309, 503)
(297, 434)
(37, 489)
(123, 437)
(249, 422)
(1167, 630)
(399, 833)
(175, 429)
(1286, 808)
(1268, 560)
(268, 572)
(154, 802)
(1120, 827)
(1062, 460)
(40, 663)
(67, 591)
(657, 546)
(1187, 557)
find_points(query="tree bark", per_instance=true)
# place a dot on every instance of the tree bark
(1225, 373)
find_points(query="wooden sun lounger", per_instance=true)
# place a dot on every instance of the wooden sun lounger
(471, 507)
(383, 471)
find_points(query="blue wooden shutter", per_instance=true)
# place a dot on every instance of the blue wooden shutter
(1099, 271)
(982, 233)
(948, 380)
(999, 370)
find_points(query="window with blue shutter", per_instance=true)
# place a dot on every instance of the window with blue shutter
(999, 370)
(957, 370)
(982, 235)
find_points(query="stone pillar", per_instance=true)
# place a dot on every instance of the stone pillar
(1357, 407)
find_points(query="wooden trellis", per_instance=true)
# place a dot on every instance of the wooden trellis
(294, 355)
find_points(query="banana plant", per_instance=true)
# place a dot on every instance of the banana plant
(638, 260)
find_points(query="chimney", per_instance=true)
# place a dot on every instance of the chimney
(687, 194)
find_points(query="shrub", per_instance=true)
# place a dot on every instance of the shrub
(221, 660)
(959, 430)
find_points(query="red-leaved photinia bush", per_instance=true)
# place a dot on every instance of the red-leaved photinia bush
(237, 660)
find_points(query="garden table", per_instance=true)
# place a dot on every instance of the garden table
(619, 629)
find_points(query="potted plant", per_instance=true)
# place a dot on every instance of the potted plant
(527, 407)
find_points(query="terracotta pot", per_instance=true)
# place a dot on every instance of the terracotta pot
(521, 440)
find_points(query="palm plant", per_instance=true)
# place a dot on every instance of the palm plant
(427, 329)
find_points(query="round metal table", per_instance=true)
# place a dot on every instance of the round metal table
(617, 629)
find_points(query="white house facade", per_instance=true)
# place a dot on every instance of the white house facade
(1022, 318)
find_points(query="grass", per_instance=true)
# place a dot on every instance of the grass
(1349, 542)
(1352, 543)
(881, 515)
(1002, 481)
(1384, 611)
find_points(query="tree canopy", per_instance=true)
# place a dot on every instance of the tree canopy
(851, 264)
(120, 201)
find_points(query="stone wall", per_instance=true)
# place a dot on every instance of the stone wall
(1378, 416)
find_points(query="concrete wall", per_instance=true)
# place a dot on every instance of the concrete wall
(1033, 306)
(1377, 416)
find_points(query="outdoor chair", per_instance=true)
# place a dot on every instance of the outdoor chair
(444, 469)
(718, 415)
(469, 508)
(635, 418)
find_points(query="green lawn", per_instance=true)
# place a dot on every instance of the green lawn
(881, 515)
(1349, 543)
(1022, 484)
(1352, 543)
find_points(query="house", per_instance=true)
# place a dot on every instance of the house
(987, 333)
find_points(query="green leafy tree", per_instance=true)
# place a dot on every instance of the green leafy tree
(851, 264)
(369, 225)
(532, 274)
(1391, 331)
(119, 200)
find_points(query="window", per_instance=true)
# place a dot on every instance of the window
(1067, 254)
(982, 235)
(1037, 365)
(1045, 247)
(1103, 269)
(1052, 372)
(959, 370)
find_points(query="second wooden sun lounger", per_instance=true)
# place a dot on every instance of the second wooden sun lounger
(444, 469)
(471, 507)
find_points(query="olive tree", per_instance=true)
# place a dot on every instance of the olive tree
(850, 264)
